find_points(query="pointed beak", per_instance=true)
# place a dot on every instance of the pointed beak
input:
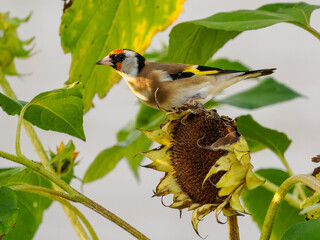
(105, 61)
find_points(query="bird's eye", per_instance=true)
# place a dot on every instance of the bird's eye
(118, 57)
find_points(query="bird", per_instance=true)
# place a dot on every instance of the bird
(168, 85)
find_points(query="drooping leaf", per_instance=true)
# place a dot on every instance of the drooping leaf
(196, 41)
(266, 92)
(8, 210)
(91, 29)
(259, 137)
(58, 110)
(31, 206)
(130, 143)
(10, 44)
(257, 202)
(306, 230)
(10, 105)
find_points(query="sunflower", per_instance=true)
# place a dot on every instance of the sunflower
(206, 162)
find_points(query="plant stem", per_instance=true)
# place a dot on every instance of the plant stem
(5, 86)
(36, 144)
(289, 170)
(72, 212)
(310, 30)
(291, 199)
(308, 180)
(73, 195)
(28, 127)
(233, 228)
(47, 173)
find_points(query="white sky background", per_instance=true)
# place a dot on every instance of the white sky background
(294, 52)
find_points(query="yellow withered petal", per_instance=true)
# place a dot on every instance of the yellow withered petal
(235, 199)
(177, 115)
(159, 136)
(200, 212)
(161, 161)
(252, 180)
(194, 206)
(235, 176)
(167, 185)
(241, 150)
(221, 207)
(223, 164)
(181, 201)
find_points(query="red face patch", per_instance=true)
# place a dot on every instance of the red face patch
(119, 65)
(117, 51)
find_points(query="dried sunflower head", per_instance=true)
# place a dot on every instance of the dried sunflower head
(205, 160)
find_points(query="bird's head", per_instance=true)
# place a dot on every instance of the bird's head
(124, 60)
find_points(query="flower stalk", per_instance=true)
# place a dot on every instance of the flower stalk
(233, 228)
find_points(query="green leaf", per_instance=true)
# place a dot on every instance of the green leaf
(259, 137)
(266, 92)
(31, 206)
(10, 44)
(148, 118)
(258, 200)
(131, 152)
(196, 41)
(91, 29)
(130, 143)
(8, 210)
(59, 110)
(10, 105)
(226, 64)
(103, 164)
(193, 43)
(306, 230)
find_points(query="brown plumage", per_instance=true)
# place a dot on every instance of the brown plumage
(174, 83)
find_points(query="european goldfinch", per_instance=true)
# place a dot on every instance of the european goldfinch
(168, 85)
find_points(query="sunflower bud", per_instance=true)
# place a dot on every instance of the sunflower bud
(64, 160)
(205, 160)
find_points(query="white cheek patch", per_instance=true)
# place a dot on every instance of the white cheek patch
(130, 66)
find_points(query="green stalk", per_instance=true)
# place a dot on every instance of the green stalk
(61, 197)
(310, 29)
(28, 127)
(73, 195)
(291, 199)
(298, 186)
(308, 180)
(45, 170)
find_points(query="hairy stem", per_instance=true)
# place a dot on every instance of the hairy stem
(72, 212)
(233, 228)
(28, 127)
(308, 180)
(291, 199)
(73, 195)
(298, 187)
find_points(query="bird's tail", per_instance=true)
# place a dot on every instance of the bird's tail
(230, 78)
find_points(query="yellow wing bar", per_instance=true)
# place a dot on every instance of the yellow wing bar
(196, 71)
